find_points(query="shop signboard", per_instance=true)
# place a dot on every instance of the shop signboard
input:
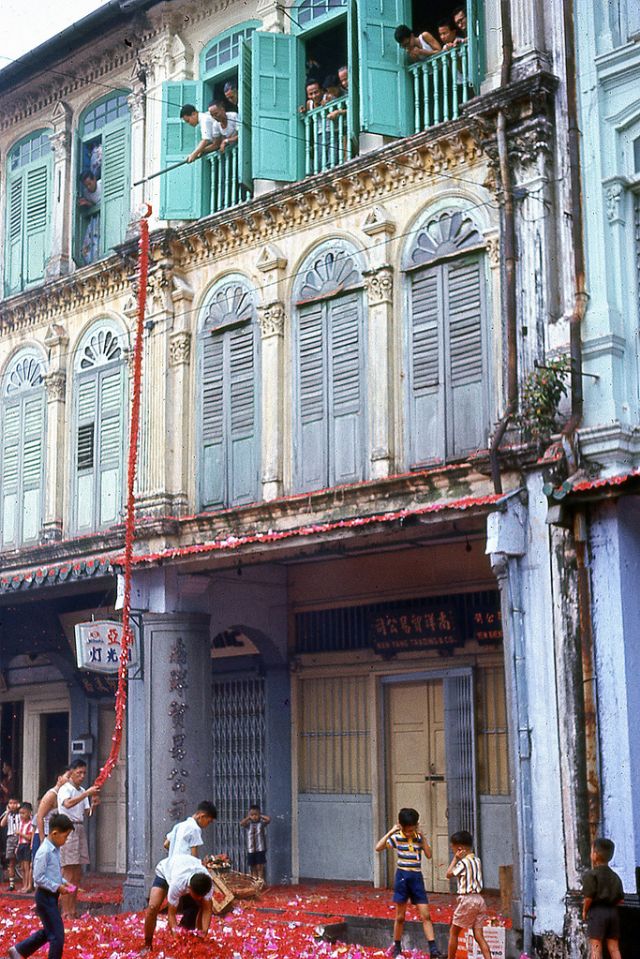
(98, 646)
(405, 628)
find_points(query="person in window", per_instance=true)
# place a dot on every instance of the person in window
(95, 159)
(343, 77)
(190, 115)
(459, 17)
(336, 143)
(448, 34)
(417, 47)
(315, 95)
(89, 203)
(230, 91)
(225, 125)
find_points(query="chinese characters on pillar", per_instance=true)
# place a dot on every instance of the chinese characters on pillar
(178, 708)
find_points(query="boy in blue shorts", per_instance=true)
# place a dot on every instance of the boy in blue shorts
(410, 845)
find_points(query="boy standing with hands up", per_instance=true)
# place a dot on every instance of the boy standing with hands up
(410, 845)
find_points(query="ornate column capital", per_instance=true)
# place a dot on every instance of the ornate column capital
(180, 348)
(55, 384)
(60, 145)
(271, 318)
(614, 193)
(379, 285)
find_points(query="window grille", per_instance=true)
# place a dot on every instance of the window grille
(493, 765)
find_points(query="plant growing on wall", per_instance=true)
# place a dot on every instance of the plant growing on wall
(542, 391)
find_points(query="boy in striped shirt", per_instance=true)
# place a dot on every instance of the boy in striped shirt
(410, 845)
(466, 869)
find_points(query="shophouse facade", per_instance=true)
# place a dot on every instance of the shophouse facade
(348, 597)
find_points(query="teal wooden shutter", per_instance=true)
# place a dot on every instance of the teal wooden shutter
(37, 217)
(212, 379)
(87, 394)
(312, 446)
(385, 102)
(244, 92)
(15, 226)
(353, 99)
(32, 462)
(10, 472)
(115, 210)
(110, 430)
(425, 367)
(242, 440)
(466, 389)
(277, 91)
(180, 190)
(346, 388)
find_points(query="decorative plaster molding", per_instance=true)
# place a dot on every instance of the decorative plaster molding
(56, 384)
(493, 249)
(271, 318)
(270, 258)
(56, 335)
(60, 146)
(379, 285)
(180, 348)
(377, 221)
(614, 195)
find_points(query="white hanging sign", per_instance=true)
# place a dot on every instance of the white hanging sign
(98, 646)
(495, 938)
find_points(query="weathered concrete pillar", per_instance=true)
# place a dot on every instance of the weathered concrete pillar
(169, 739)
(527, 27)
(55, 379)
(59, 262)
(137, 101)
(272, 322)
(278, 770)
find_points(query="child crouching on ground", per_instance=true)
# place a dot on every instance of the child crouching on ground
(471, 908)
(47, 875)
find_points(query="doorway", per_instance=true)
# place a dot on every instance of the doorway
(54, 748)
(111, 851)
(417, 767)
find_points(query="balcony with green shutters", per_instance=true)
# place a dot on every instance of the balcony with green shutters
(441, 86)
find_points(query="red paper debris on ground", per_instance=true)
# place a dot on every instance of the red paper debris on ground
(280, 925)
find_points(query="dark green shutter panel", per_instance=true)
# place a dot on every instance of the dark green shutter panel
(244, 92)
(277, 91)
(32, 462)
(10, 472)
(466, 400)
(425, 360)
(213, 466)
(115, 186)
(243, 466)
(86, 393)
(110, 429)
(353, 93)
(15, 224)
(312, 446)
(346, 388)
(37, 218)
(385, 102)
(180, 190)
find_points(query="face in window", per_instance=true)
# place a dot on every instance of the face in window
(343, 76)
(460, 20)
(314, 93)
(192, 118)
(447, 34)
(231, 93)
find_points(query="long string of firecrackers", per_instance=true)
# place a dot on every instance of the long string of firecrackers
(121, 692)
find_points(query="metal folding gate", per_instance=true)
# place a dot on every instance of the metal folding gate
(238, 732)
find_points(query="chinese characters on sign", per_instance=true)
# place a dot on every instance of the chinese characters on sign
(487, 625)
(402, 628)
(99, 644)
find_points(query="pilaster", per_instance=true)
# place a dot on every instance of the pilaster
(56, 341)
(137, 101)
(272, 316)
(528, 31)
(178, 417)
(60, 262)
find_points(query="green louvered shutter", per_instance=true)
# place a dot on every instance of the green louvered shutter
(466, 373)
(10, 472)
(115, 210)
(110, 441)
(37, 217)
(312, 446)
(244, 140)
(181, 190)
(425, 364)
(385, 103)
(242, 439)
(277, 91)
(32, 463)
(212, 479)
(346, 388)
(85, 465)
(15, 224)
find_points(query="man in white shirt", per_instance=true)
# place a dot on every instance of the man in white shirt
(186, 837)
(180, 878)
(76, 803)
(189, 114)
(225, 125)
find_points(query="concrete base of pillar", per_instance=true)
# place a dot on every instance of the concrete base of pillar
(134, 893)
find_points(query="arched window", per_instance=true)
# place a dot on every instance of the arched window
(100, 404)
(103, 177)
(446, 340)
(329, 365)
(310, 10)
(28, 226)
(228, 394)
(23, 447)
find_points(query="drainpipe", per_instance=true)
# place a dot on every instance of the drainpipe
(592, 785)
(508, 254)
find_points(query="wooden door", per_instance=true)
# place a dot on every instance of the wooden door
(416, 764)
(112, 822)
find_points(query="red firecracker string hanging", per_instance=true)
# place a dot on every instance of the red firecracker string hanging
(121, 693)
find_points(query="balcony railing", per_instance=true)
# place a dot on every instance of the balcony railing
(326, 137)
(226, 188)
(441, 84)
